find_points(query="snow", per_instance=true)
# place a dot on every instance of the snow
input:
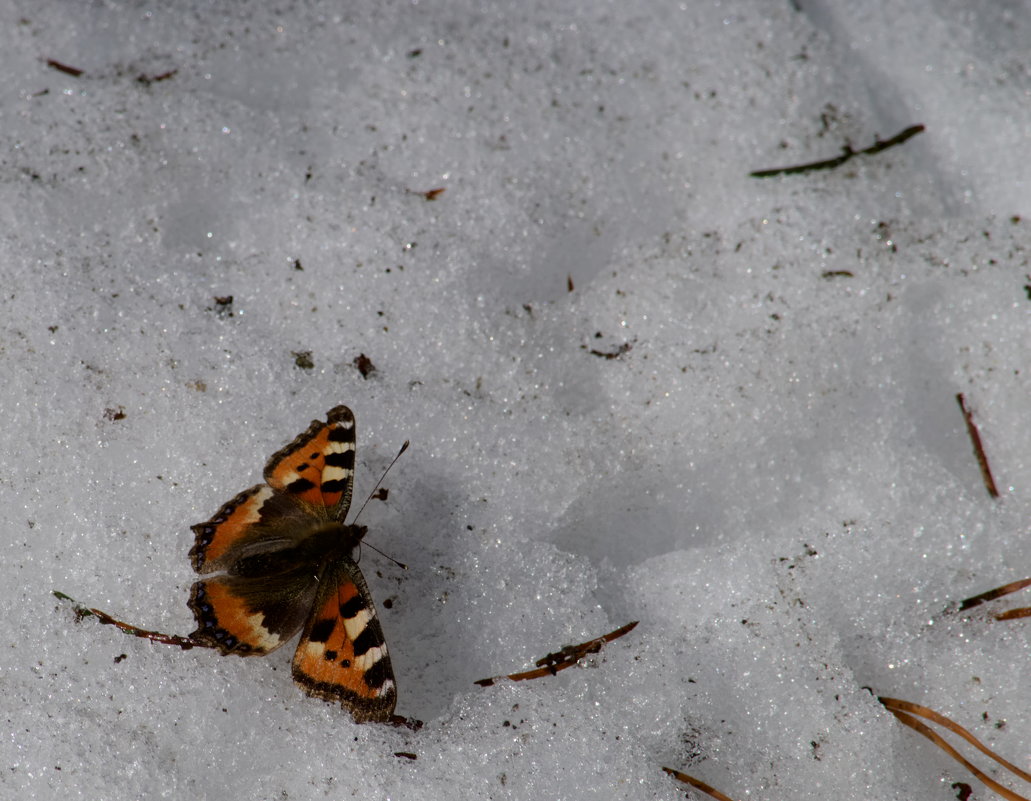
(771, 473)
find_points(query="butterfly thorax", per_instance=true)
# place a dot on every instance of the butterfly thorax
(332, 541)
(325, 543)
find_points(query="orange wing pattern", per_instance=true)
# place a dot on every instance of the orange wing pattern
(228, 527)
(318, 466)
(232, 618)
(342, 655)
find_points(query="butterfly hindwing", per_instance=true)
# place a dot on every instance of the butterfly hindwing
(252, 616)
(342, 655)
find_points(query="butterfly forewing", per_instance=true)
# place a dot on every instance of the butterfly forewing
(318, 466)
(217, 537)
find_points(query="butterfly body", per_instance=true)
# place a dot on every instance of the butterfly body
(282, 560)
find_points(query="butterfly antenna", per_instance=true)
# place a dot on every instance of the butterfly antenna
(393, 461)
(401, 565)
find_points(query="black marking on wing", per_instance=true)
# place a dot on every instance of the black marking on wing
(369, 638)
(299, 486)
(352, 607)
(378, 674)
(322, 630)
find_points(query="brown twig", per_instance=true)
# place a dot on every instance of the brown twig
(614, 354)
(147, 80)
(975, 438)
(81, 611)
(560, 660)
(429, 194)
(698, 784)
(998, 592)
(1013, 614)
(846, 153)
(75, 72)
(907, 712)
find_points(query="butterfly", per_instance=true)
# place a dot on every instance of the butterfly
(284, 560)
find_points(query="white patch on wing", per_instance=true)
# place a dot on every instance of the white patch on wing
(252, 508)
(370, 658)
(268, 640)
(356, 625)
(330, 473)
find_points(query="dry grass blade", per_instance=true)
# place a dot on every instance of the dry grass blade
(847, 153)
(54, 64)
(560, 660)
(1013, 614)
(698, 784)
(975, 439)
(905, 710)
(82, 611)
(998, 592)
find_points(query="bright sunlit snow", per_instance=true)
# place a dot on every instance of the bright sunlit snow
(639, 384)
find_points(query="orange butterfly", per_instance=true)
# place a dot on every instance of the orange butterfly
(286, 559)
